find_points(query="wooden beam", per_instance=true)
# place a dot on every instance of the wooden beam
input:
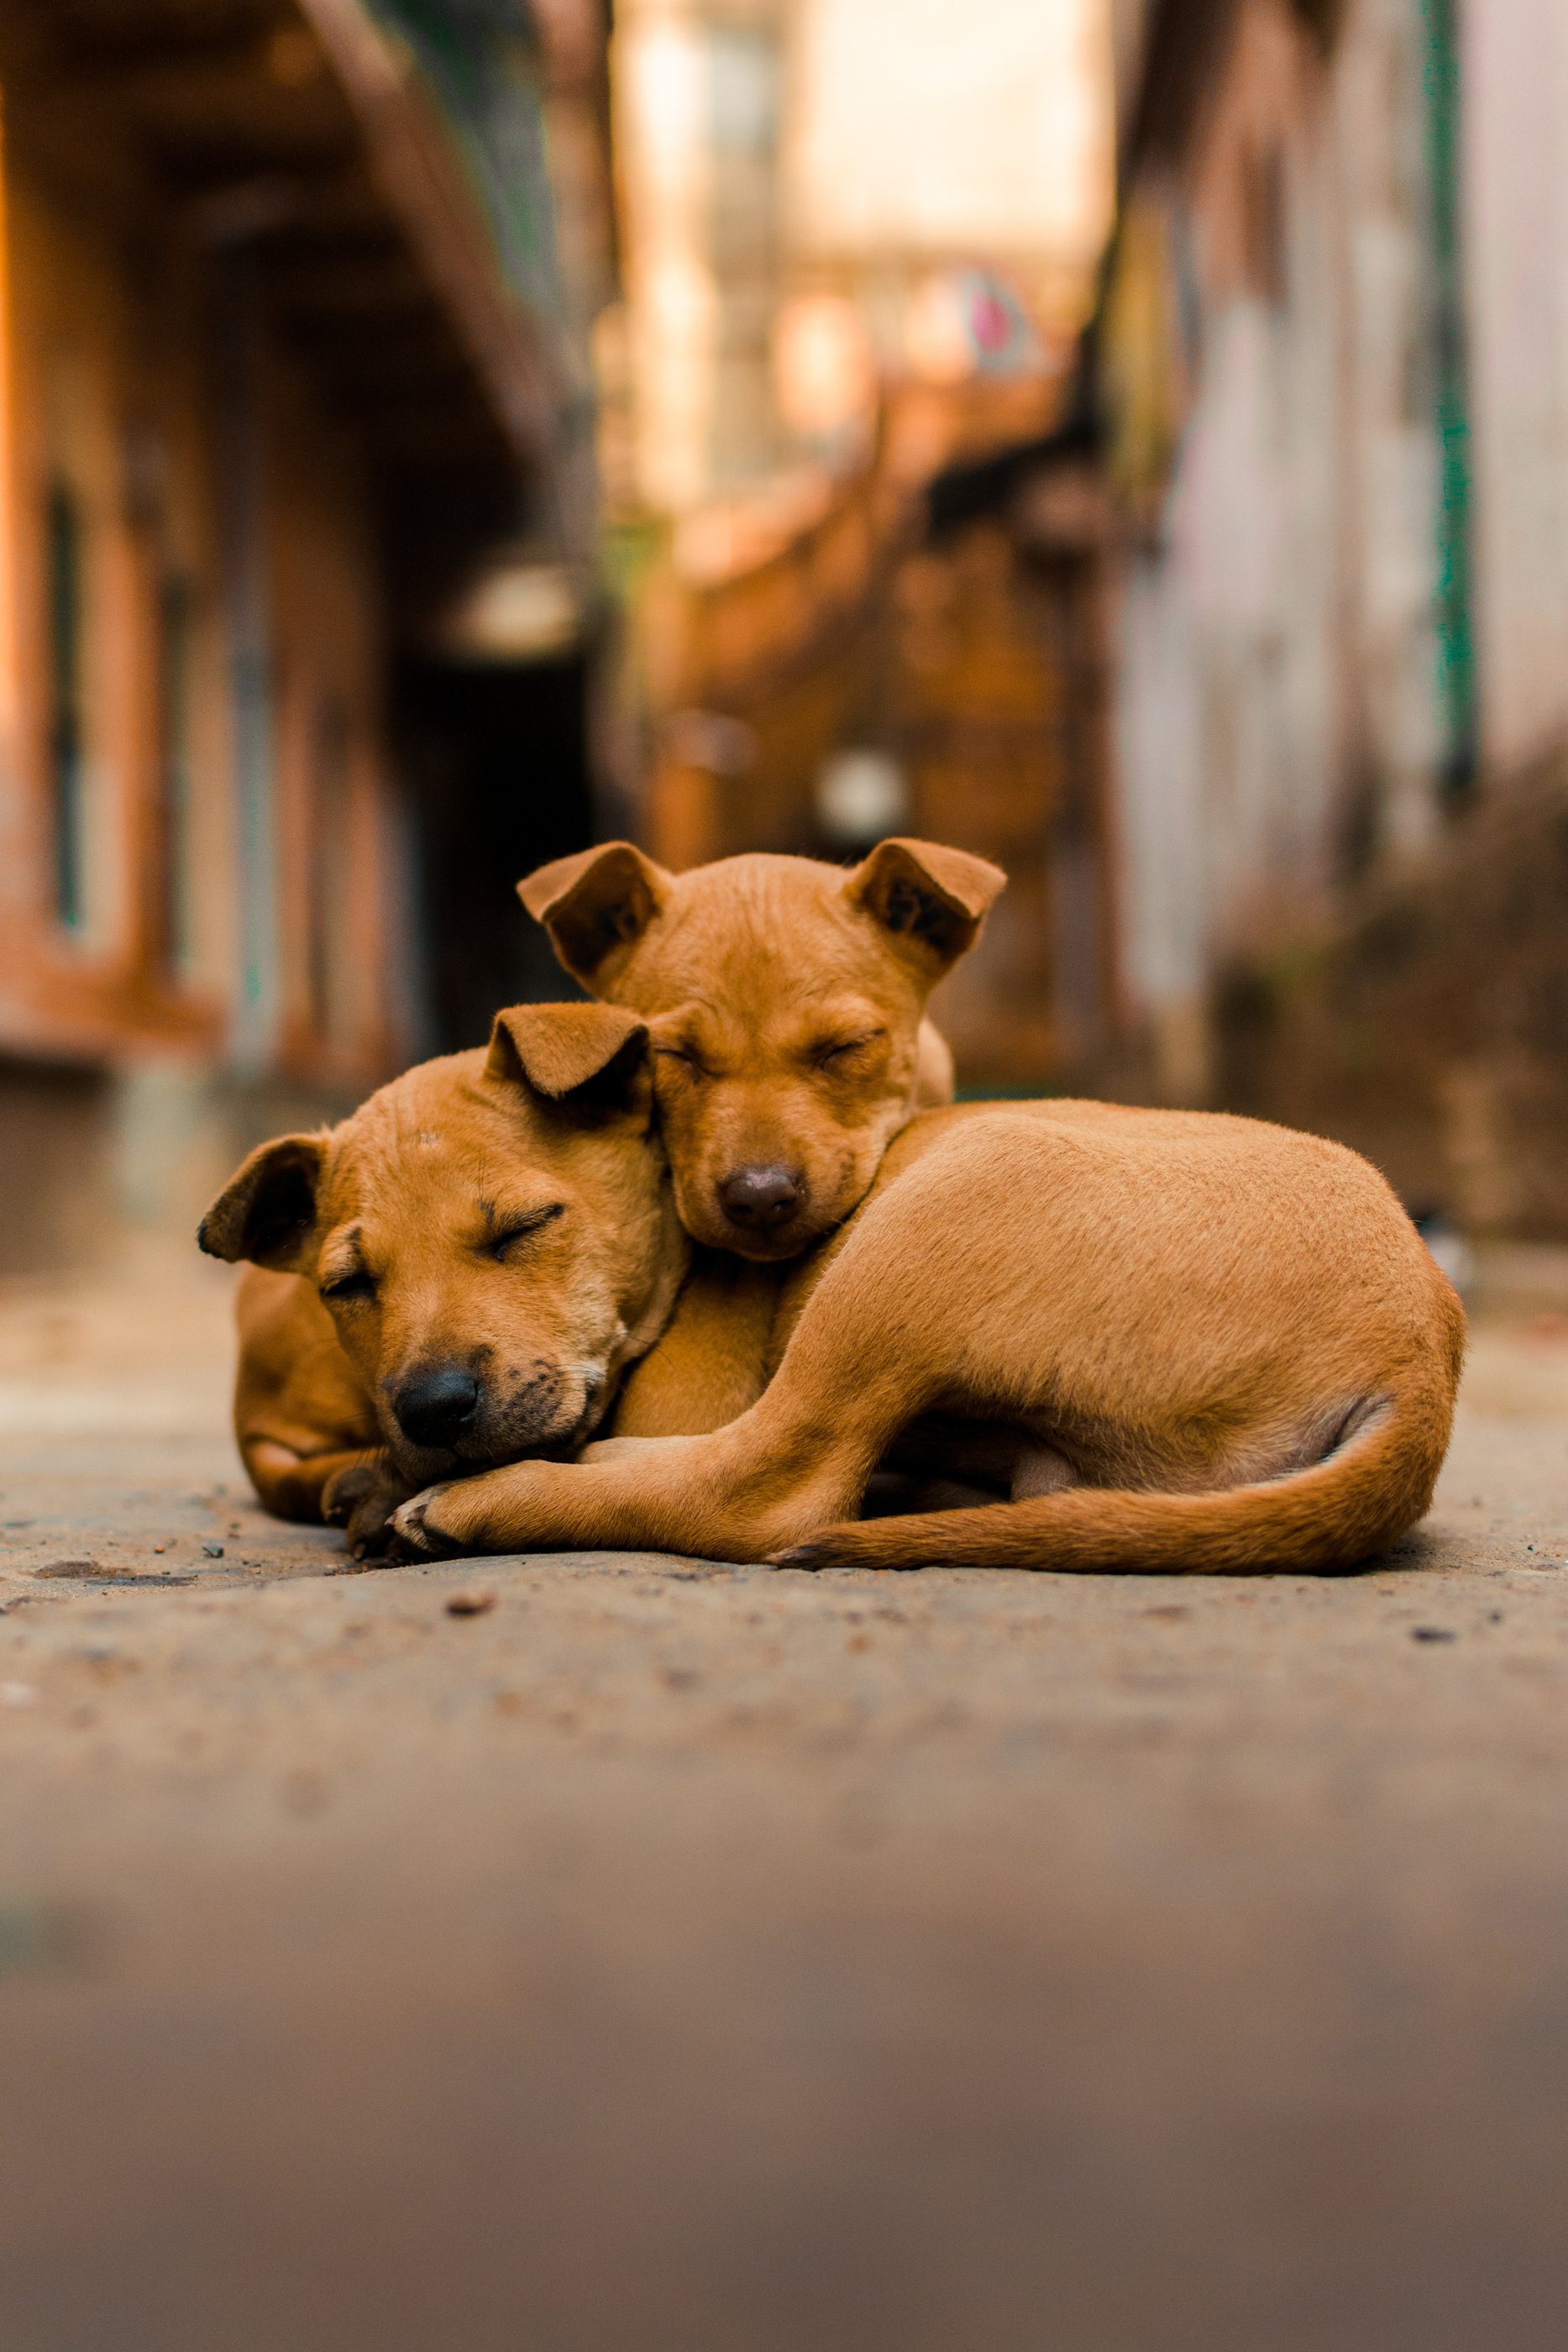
(306, 284)
(1185, 50)
(414, 160)
(186, 71)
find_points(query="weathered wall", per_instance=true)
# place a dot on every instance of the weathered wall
(122, 1018)
(104, 382)
(121, 400)
(1426, 1026)
(1515, 59)
(1269, 336)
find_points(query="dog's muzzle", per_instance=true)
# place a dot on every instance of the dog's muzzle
(448, 1421)
(434, 1407)
(760, 1200)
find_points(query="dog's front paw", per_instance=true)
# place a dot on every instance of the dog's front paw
(524, 1506)
(362, 1501)
(416, 1532)
(346, 1489)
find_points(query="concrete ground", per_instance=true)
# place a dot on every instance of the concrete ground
(616, 1952)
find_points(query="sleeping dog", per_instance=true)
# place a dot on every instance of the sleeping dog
(1181, 1341)
(786, 1001)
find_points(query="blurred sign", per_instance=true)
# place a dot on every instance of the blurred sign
(966, 322)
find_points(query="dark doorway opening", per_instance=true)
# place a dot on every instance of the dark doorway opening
(496, 760)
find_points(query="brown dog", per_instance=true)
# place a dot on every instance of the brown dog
(1210, 1344)
(790, 997)
(1186, 1342)
(785, 999)
(486, 1246)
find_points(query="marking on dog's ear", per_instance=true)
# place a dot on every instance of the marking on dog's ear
(588, 1057)
(928, 898)
(596, 904)
(267, 1211)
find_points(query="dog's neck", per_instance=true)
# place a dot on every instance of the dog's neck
(646, 1326)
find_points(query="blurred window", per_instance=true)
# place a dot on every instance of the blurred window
(1264, 222)
(176, 910)
(743, 91)
(66, 730)
(943, 127)
(328, 892)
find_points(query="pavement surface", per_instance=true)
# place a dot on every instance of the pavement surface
(619, 1952)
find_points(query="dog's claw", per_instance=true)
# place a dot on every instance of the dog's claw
(372, 1540)
(414, 1539)
(408, 1526)
(806, 1555)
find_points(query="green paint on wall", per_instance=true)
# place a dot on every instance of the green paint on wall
(1457, 680)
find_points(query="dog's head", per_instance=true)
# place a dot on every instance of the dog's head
(784, 999)
(494, 1235)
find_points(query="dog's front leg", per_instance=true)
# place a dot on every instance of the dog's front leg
(714, 1498)
(527, 1507)
(614, 1505)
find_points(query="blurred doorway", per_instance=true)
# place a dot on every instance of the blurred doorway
(496, 760)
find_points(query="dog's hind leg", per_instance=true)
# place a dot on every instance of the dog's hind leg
(291, 1484)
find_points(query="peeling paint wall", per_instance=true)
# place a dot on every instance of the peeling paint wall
(1279, 713)
(1515, 61)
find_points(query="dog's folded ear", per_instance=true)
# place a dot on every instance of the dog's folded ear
(588, 1060)
(596, 906)
(930, 899)
(267, 1211)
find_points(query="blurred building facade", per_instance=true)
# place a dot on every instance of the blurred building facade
(1330, 356)
(295, 449)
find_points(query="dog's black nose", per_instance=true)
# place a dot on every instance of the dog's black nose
(761, 1198)
(435, 1408)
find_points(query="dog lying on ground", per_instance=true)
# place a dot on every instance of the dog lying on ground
(1184, 1341)
(788, 997)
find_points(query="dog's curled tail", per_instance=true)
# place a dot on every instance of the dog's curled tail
(1374, 1485)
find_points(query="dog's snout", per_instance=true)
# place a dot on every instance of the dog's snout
(434, 1408)
(761, 1199)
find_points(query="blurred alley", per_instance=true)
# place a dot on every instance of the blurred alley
(1127, 439)
(439, 435)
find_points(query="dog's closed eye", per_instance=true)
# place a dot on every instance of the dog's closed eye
(518, 1229)
(841, 1049)
(686, 1055)
(356, 1283)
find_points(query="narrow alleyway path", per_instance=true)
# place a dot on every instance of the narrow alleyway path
(662, 1955)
